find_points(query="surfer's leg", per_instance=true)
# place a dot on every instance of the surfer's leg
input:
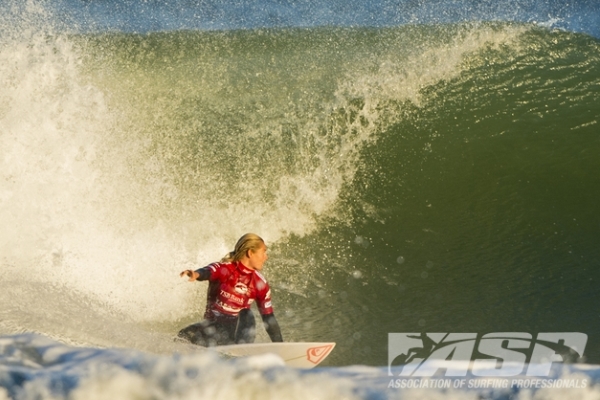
(225, 330)
(201, 333)
(246, 327)
(188, 332)
(207, 333)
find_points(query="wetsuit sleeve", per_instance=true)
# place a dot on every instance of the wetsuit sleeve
(263, 300)
(204, 274)
(272, 327)
(211, 272)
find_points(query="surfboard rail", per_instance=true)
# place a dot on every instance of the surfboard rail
(295, 354)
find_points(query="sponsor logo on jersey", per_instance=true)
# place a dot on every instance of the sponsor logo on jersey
(228, 308)
(231, 297)
(241, 288)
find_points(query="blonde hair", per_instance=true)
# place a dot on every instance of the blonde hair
(249, 241)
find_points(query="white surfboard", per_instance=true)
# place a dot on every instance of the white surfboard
(294, 354)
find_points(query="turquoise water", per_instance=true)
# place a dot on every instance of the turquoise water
(416, 178)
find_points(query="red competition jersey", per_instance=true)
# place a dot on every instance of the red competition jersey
(234, 287)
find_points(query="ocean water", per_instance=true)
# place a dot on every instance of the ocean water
(413, 166)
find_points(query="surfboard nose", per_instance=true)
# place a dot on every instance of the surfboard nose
(316, 354)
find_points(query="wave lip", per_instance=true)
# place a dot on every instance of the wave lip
(33, 366)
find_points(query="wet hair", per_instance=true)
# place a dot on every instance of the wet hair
(249, 241)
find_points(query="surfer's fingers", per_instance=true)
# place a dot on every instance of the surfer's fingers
(186, 272)
(192, 275)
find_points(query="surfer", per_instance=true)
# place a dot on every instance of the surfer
(234, 284)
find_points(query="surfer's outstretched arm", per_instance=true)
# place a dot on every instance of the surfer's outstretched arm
(201, 274)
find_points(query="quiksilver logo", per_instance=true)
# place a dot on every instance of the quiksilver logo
(498, 354)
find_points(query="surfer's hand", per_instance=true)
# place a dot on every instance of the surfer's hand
(192, 275)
